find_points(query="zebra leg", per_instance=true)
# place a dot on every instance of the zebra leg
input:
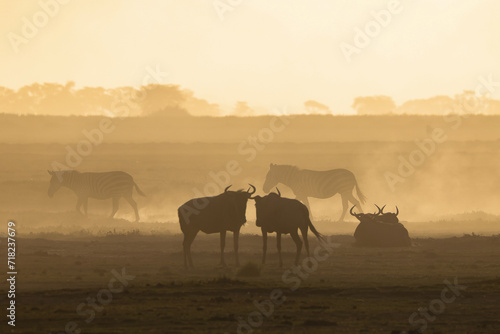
(278, 244)
(116, 200)
(236, 235)
(345, 207)
(355, 202)
(264, 246)
(222, 245)
(304, 236)
(134, 205)
(85, 205)
(298, 243)
(79, 203)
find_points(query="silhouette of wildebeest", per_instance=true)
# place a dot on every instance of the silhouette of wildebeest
(103, 185)
(380, 230)
(216, 214)
(318, 184)
(283, 216)
(388, 217)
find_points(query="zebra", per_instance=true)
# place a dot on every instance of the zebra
(318, 184)
(103, 185)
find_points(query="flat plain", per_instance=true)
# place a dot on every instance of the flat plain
(64, 258)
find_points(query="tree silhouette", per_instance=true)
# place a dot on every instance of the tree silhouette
(437, 105)
(242, 109)
(374, 105)
(314, 107)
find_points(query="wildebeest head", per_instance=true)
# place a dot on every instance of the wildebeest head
(271, 178)
(239, 199)
(262, 204)
(388, 217)
(56, 181)
(363, 216)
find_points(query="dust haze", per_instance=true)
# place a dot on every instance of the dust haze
(213, 98)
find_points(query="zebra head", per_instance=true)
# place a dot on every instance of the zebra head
(272, 178)
(56, 181)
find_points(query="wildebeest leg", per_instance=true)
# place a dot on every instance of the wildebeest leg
(278, 244)
(236, 235)
(222, 245)
(264, 246)
(189, 236)
(298, 243)
(134, 205)
(116, 200)
(304, 236)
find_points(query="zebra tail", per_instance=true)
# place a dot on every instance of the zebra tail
(361, 196)
(139, 191)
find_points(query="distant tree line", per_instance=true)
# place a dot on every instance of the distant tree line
(466, 103)
(57, 99)
(172, 101)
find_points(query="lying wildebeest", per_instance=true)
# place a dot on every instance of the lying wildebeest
(388, 217)
(103, 185)
(283, 216)
(380, 230)
(216, 214)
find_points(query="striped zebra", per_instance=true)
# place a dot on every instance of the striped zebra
(318, 184)
(104, 185)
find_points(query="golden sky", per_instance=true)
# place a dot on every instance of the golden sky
(271, 53)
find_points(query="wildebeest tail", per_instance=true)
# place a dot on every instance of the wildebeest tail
(139, 191)
(316, 233)
(312, 228)
(361, 196)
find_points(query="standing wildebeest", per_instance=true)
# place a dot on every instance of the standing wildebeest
(283, 216)
(380, 230)
(217, 214)
(96, 185)
(318, 184)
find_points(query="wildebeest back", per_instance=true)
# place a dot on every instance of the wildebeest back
(213, 214)
(278, 214)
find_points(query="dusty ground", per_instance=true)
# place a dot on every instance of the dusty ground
(352, 291)
(65, 261)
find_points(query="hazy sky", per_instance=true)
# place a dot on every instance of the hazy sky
(271, 53)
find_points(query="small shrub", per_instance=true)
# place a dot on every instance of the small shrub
(224, 280)
(249, 269)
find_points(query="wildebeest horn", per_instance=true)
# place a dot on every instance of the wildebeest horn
(397, 211)
(352, 214)
(251, 187)
(229, 186)
(279, 194)
(380, 211)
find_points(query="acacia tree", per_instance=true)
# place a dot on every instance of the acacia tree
(314, 107)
